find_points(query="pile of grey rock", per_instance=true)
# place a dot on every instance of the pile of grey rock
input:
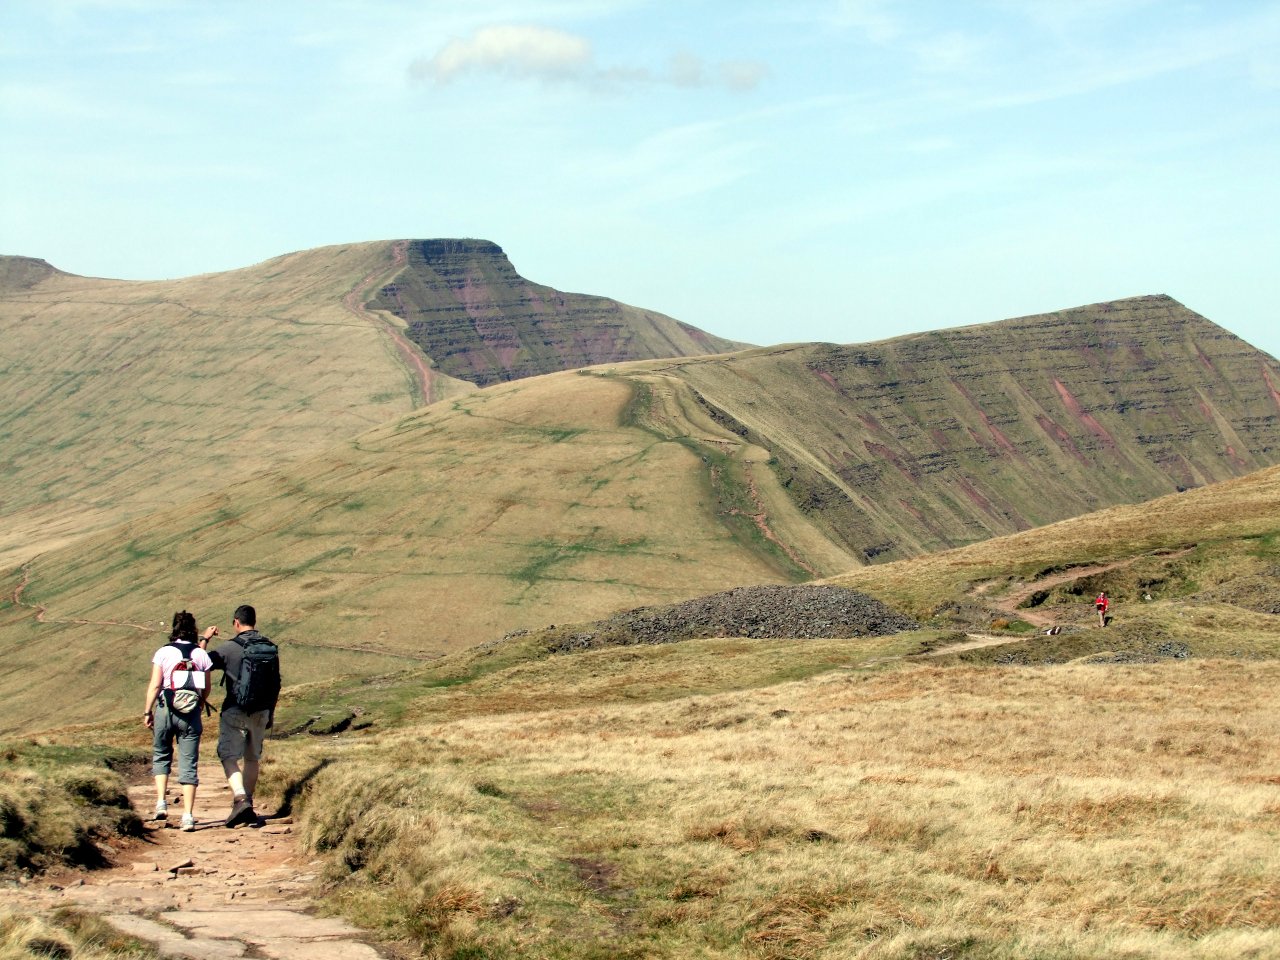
(762, 612)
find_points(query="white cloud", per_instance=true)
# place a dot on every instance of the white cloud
(524, 51)
(531, 52)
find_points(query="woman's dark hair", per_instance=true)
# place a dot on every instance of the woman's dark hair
(184, 627)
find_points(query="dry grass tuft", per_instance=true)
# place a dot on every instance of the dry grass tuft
(67, 935)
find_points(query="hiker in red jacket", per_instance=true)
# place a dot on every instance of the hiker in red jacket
(1102, 604)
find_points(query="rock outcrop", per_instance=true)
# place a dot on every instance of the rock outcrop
(940, 439)
(480, 321)
(23, 273)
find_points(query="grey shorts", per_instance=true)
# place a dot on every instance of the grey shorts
(240, 734)
(184, 729)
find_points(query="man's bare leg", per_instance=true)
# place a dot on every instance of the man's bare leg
(235, 779)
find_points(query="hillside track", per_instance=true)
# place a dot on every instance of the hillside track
(41, 611)
(214, 892)
(975, 641)
(422, 375)
(761, 520)
(1011, 603)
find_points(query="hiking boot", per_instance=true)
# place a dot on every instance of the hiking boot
(162, 811)
(241, 812)
(188, 823)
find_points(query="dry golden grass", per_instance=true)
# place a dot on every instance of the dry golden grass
(66, 934)
(1075, 812)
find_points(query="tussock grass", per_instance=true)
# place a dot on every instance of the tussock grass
(67, 934)
(901, 812)
(56, 805)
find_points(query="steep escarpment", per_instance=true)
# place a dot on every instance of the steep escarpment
(480, 321)
(940, 439)
(22, 273)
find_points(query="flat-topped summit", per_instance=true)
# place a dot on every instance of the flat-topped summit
(470, 311)
(22, 273)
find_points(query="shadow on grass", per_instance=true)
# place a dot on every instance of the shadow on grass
(295, 790)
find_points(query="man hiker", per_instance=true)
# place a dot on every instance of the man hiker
(250, 665)
(1101, 605)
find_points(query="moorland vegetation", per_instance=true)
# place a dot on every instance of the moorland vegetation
(524, 718)
(945, 791)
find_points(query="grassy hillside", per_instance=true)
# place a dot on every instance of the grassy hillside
(871, 797)
(120, 398)
(936, 440)
(880, 797)
(568, 497)
(559, 498)
(1220, 541)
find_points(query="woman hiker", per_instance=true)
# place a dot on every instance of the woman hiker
(175, 701)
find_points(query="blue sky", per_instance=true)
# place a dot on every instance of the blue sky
(843, 170)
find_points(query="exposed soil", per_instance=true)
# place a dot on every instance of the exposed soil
(212, 893)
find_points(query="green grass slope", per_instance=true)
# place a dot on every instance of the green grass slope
(935, 440)
(119, 398)
(562, 497)
(868, 797)
(889, 798)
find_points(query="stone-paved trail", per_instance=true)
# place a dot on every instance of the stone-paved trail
(214, 893)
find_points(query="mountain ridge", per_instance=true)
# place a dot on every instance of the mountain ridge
(118, 396)
(465, 305)
(951, 436)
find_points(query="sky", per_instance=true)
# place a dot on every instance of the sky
(807, 170)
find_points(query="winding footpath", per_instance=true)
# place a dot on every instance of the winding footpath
(211, 894)
(410, 355)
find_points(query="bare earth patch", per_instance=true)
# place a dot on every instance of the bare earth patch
(213, 893)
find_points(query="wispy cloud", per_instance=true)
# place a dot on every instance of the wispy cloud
(531, 52)
(511, 49)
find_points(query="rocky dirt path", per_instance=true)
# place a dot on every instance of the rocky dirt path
(1010, 602)
(214, 893)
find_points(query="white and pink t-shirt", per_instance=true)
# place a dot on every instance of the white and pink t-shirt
(170, 657)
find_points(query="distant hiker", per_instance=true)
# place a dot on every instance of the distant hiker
(175, 701)
(1102, 604)
(250, 665)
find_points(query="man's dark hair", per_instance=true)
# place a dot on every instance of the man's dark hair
(184, 627)
(246, 615)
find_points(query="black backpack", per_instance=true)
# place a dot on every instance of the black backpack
(257, 686)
